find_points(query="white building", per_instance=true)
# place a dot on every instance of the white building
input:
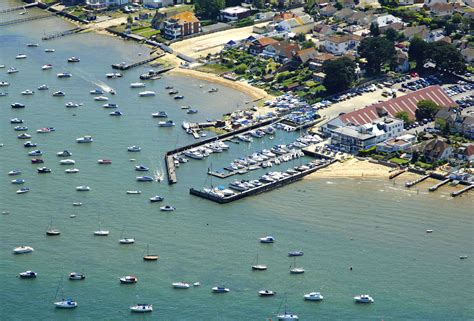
(101, 4)
(386, 20)
(231, 14)
(340, 45)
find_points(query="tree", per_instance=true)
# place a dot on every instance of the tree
(391, 34)
(389, 3)
(259, 4)
(241, 69)
(426, 109)
(307, 44)
(374, 29)
(208, 9)
(129, 20)
(403, 115)
(338, 6)
(301, 37)
(417, 51)
(442, 125)
(377, 51)
(446, 57)
(340, 73)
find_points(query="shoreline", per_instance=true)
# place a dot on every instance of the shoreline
(352, 168)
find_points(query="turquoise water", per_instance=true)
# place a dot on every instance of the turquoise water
(372, 225)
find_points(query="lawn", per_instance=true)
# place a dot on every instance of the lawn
(214, 69)
(399, 161)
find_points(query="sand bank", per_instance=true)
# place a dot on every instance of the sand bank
(352, 168)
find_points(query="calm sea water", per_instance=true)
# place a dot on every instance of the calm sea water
(375, 226)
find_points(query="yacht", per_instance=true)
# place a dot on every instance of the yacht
(180, 285)
(363, 298)
(257, 133)
(147, 93)
(267, 239)
(32, 45)
(14, 172)
(64, 153)
(220, 289)
(266, 293)
(295, 253)
(47, 67)
(28, 275)
(134, 192)
(156, 198)
(65, 304)
(192, 111)
(137, 85)
(18, 105)
(37, 161)
(167, 208)
(194, 154)
(134, 149)
(83, 188)
(23, 249)
(101, 98)
(43, 87)
(64, 75)
(141, 308)
(141, 168)
(178, 97)
(36, 152)
(128, 279)
(104, 161)
(173, 92)
(168, 123)
(73, 59)
(110, 105)
(287, 316)
(20, 128)
(45, 130)
(23, 190)
(96, 91)
(116, 113)
(148, 256)
(59, 93)
(3, 94)
(101, 232)
(21, 56)
(127, 240)
(74, 276)
(145, 179)
(27, 92)
(53, 232)
(16, 121)
(72, 170)
(245, 138)
(269, 130)
(160, 114)
(213, 90)
(4, 84)
(85, 140)
(67, 162)
(49, 50)
(113, 75)
(12, 70)
(18, 181)
(259, 267)
(70, 104)
(24, 136)
(313, 296)
(43, 170)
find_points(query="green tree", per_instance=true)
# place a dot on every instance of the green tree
(340, 73)
(442, 125)
(307, 44)
(389, 3)
(403, 115)
(241, 69)
(374, 29)
(426, 108)
(391, 34)
(129, 20)
(418, 51)
(208, 9)
(446, 57)
(301, 37)
(377, 51)
(259, 4)
(338, 6)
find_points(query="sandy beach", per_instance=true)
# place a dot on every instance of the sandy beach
(352, 168)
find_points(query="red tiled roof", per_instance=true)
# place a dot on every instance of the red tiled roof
(393, 106)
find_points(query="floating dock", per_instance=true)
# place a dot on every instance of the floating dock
(461, 191)
(419, 180)
(260, 189)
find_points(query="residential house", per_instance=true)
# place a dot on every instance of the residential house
(401, 60)
(443, 9)
(322, 30)
(157, 3)
(328, 11)
(348, 4)
(73, 2)
(368, 4)
(394, 145)
(361, 18)
(384, 21)
(452, 117)
(281, 51)
(316, 63)
(429, 3)
(436, 150)
(465, 153)
(468, 54)
(102, 4)
(181, 25)
(305, 55)
(417, 31)
(344, 14)
(319, 76)
(257, 46)
(467, 127)
(341, 44)
(288, 22)
(435, 35)
(232, 14)
(290, 3)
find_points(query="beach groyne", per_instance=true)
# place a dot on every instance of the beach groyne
(461, 191)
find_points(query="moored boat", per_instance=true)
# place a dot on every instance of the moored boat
(156, 198)
(64, 75)
(220, 289)
(43, 170)
(23, 190)
(74, 276)
(83, 188)
(266, 292)
(180, 285)
(73, 59)
(363, 298)
(23, 249)
(167, 208)
(141, 308)
(313, 296)
(147, 93)
(85, 139)
(28, 275)
(267, 239)
(104, 161)
(128, 279)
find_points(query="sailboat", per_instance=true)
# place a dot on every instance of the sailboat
(285, 315)
(64, 303)
(148, 256)
(258, 267)
(296, 270)
(52, 231)
(100, 231)
(126, 240)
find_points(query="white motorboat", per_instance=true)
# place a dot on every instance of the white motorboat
(65, 304)
(245, 138)
(43, 87)
(74, 276)
(23, 249)
(313, 296)
(58, 93)
(4, 84)
(23, 190)
(287, 316)
(110, 105)
(134, 192)
(64, 75)
(67, 161)
(20, 128)
(32, 45)
(266, 293)
(49, 50)
(35, 153)
(156, 198)
(113, 75)
(64, 153)
(72, 170)
(142, 308)
(101, 232)
(167, 208)
(144, 179)
(17, 181)
(180, 285)
(17, 105)
(85, 139)
(29, 144)
(16, 121)
(220, 289)
(168, 123)
(77, 204)
(116, 113)
(267, 239)
(47, 67)
(73, 59)
(295, 253)
(134, 149)
(43, 170)
(21, 56)
(147, 93)
(101, 98)
(96, 91)
(24, 136)
(363, 298)
(12, 70)
(127, 240)
(28, 275)
(128, 279)
(14, 172)
(141, 168)
(45, 130)
(104, 161)
(160, 114)
(71, 104)
(83, 188)
(27, 92)
(137, 85)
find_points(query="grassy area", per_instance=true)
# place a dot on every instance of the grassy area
(423, 165)
(214, 69)
(399, 161)
(179, 8)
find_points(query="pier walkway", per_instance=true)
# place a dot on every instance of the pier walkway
(16, 21)
(461, 191)
(125, 66)
(435, 187)
(62, 33)
(416, 181)
(26, 6)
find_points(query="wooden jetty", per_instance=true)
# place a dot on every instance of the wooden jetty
(461, 191)
(416, 181)
(260, 189)
(125, 66)
(16, 21)
(393, 175)
(435, 187)
(26, 6)
(62, 33)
